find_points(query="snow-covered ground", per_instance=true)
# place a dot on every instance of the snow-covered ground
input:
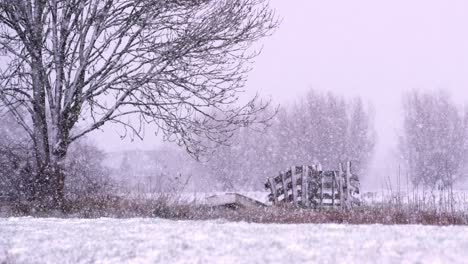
(30, 240)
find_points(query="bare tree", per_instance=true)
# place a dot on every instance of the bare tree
(434, 137)
(361, 137)
(325, 128)
(246, 161)
(319, 128)
(83, 63)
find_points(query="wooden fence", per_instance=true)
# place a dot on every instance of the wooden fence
(310, 187)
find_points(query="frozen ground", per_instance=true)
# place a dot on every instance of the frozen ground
(29, 240)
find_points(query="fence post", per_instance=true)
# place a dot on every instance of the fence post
(340, 184)
(285, 187)
(294, 184)
(304, 186)
(320, 173)
(333, 181)
(348, 186)
(273, 190)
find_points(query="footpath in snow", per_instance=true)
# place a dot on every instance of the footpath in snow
(30, 240)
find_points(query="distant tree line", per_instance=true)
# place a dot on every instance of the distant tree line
(320, 128)
(325, 129)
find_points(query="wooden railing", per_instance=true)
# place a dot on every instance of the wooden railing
(310, 187)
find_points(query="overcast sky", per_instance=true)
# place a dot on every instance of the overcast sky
(372, 48)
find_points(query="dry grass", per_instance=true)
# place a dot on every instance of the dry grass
(360, 215)
(113, 206)
(164, 208)
(110, 206)
(170, 208)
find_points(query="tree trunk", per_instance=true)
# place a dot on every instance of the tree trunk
(49, 186)
(49, 180)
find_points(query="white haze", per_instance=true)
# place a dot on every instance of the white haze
(373, 49)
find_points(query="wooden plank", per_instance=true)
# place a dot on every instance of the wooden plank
(273, 190)
(340, 183)
(314, 186)
(234, 200)
(328, 202)
(328, 179)
(327, 184)
(348, 187)
(333, 188)
(304, 185)
(278, 179)
(321, 188)
(285, 187)
(294, 184)
(328, 195)
(279, 192)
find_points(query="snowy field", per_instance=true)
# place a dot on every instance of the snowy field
(29, 240)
